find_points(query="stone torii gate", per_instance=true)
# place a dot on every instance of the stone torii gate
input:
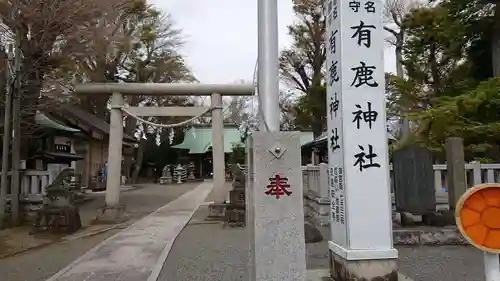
(113, 210)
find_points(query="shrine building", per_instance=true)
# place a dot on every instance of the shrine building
(196, 146)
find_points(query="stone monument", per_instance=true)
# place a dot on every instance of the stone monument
(361, 220)
(235, 210)
(414, 191)
(275, 212)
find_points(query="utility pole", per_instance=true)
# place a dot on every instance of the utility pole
(16, 136)
(6, 138)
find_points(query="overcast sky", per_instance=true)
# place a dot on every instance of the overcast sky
(221, 36)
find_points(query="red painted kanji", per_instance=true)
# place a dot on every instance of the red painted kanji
(278, 186)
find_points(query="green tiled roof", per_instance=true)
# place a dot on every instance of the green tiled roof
(45, 121)
(199, 140)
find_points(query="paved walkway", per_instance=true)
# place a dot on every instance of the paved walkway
(133, 253)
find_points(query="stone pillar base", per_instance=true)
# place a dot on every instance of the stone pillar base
(449, 218)
(110, 215)
(216, 211)
(362, 270)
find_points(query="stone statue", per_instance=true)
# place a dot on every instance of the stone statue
(166, 175)
(59, 209)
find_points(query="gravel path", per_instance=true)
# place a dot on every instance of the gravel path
(443, 263)
(38, 265)
(207, 251)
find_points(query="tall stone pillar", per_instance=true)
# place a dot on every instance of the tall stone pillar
(218, 162)
(455, 170)
(113, 210)
(361, 246)
(275, 211)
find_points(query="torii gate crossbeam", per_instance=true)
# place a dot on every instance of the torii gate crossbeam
(166, 89)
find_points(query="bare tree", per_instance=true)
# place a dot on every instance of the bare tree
(394, 13)
(236, 110)
(286, 103)
(43, 34)
(136, 43)
(244, 111)
(47, 32)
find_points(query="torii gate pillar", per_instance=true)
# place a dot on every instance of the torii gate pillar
(219, 166)
(113, 180)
